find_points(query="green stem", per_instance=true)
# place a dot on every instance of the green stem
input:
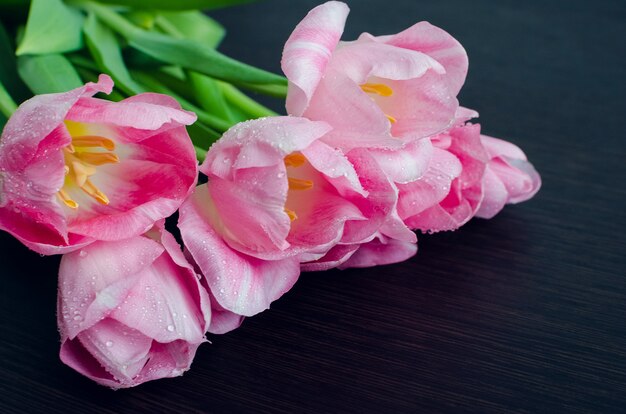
(248, 105)
(200, 153)
(111, 18)
(277, 91)
(7, 105)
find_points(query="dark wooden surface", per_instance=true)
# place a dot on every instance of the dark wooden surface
(522, 313)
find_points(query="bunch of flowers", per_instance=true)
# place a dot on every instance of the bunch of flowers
(375, 146)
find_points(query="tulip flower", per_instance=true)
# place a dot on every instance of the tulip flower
(130, 311)
(376, 92)
(75, 169)
(277, 196)
(471, 175)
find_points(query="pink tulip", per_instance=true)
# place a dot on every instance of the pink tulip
(74, 169)
(376, 92)
(277, 195)
(469, 175)
(130, 311)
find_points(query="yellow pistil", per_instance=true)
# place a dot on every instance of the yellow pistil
(82, 156)
(377, 88)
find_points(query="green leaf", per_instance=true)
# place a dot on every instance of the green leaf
(177, 4)
(105, 50)
(190, 54)
(192, 25)
(48, 73)
(200, 58)
(52, 27)
(8, 69)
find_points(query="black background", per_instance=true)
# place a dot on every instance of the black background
(522, 313)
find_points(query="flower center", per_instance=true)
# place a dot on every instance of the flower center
(82, 156)
(296, 184)
(379, 89)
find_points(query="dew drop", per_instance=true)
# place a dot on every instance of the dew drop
(109, 344)
(170, 328)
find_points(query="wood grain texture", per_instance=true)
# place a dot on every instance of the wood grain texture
(523, 313)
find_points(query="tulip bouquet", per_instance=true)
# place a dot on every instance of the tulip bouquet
(375, 146)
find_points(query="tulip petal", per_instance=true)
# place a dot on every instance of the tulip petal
(407, 164)
(438, 44)
(74, 355)
(223, 320)
(377, 252)
(164, 304)
(99, 277)
(120, 350)
(429, 190)
(308, 51)
(240, 283)
(334, 258)
(149, 112)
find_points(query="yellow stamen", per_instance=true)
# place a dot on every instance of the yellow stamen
(391, 119)
(297, 184)
(377, 88)
(67, 200)
(70, 148)
(292, 214)
(98, 158)
(91, 141)
(94, 192)
(294, 160)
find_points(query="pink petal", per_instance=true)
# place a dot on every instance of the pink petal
(260, 143)
(167, 361)
(308, 51)
(361, 61)
(429, 190)
(99, 277)
(142, 112)
(335, 257)
(240, 283)
(438, 44)
(498, 147)
(495, 195)
(377, 252)
(357, 120)
(36, 118)
(164, 304)
(74, 355)
(222, 320)
(422, 106)
(121, 351)
(406, 164)
(335, 166)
